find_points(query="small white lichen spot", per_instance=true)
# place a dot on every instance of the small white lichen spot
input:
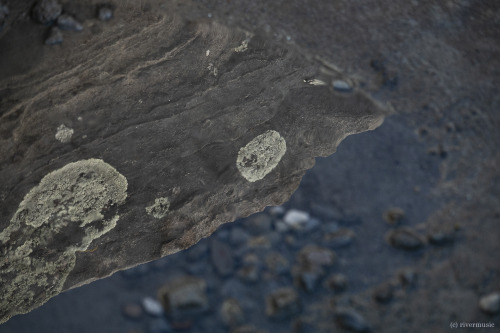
(243, 47)
(64, 134)
(315, 82)
(261, 155)
(59, 217)
(159, 209)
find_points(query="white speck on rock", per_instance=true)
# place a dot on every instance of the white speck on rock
(64, 134)
(315, 82)
(243, 47)
(212, 69)
(207, 53)
(261, 155)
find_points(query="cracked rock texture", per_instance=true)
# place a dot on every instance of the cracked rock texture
(212, 110)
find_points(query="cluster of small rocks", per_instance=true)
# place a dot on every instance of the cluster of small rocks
(264, 270)
(51, 13)
(259, 270)
(407, 238)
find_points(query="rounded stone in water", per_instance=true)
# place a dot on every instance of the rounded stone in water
(152, 306)
(105, 13)
(68, 22)
(46, 11)
(342, 86)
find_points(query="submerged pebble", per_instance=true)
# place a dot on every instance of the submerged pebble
(342, 86)
(152, 307)
(132, 310)
(283, 303)
(55, 36)
(4, 12)
(351, 320)
(46, 11)
(405, 239)
(67, 22)
(490, 303)
(337, 282)
(105, 13)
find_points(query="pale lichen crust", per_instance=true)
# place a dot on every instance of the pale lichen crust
(261, 155)
(62, 215)
(159, 209)
(64, 134)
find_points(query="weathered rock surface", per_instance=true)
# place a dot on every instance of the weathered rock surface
(152, 137)
(189, 129)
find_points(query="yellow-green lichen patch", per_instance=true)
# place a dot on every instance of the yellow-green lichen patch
(63, 214)
(261, 155)
(159, 209)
